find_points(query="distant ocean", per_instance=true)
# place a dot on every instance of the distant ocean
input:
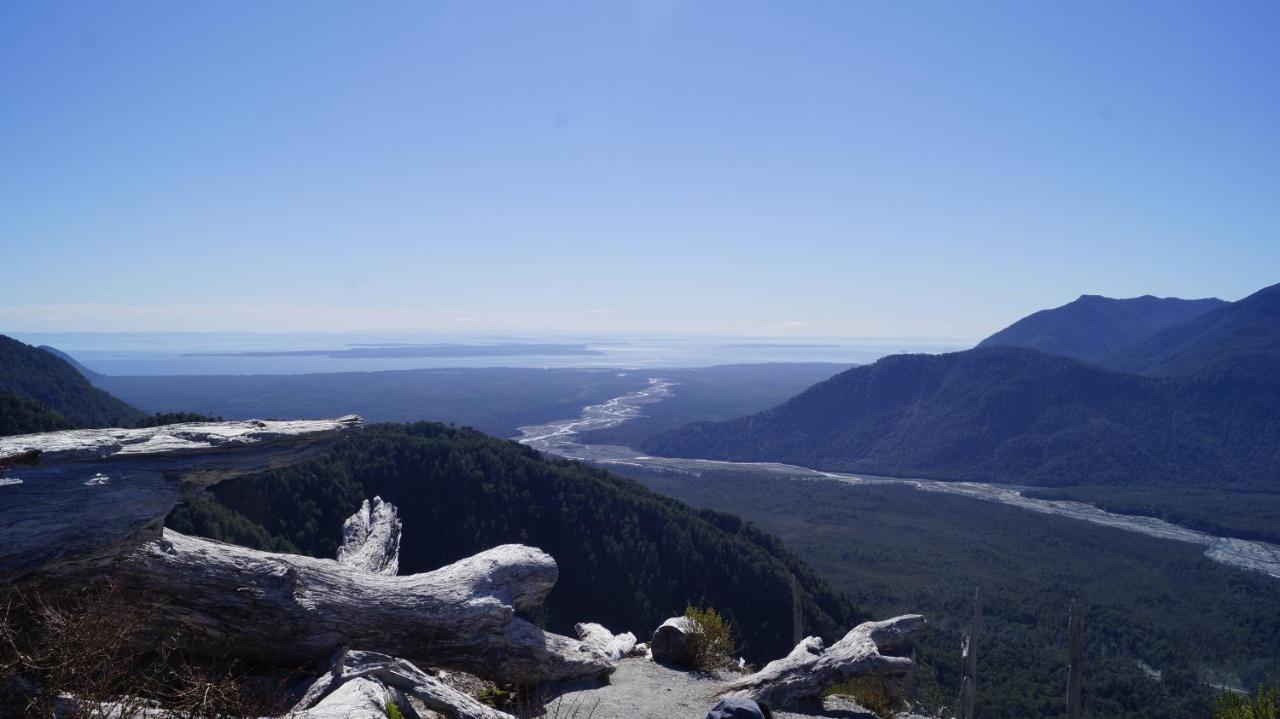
(305, 353)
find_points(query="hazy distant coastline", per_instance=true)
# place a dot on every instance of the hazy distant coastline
(412, 350)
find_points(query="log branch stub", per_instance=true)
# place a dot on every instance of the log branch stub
(371, 538)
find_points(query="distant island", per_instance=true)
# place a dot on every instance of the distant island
(510, 349)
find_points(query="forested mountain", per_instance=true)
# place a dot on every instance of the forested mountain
(49, 381)
(628, 558)
(1006, 414)
(1093, 328)
(1240, 340)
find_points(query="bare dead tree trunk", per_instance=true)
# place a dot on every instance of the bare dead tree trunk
(912, 690)
(1075, 657)
(969, 658)
(797, 613)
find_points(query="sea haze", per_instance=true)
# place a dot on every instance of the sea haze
(305, 353)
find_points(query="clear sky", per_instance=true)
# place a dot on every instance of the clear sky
(781, 168)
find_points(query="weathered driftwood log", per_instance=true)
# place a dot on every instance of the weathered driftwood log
(371, 539)
(67, 498)
(290, 609)
(672, 642)
(361, 684)
(614, 646)
(797, 612)
(800, 678)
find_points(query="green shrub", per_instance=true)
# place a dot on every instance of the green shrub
(713, 646)
(1263, 705)
(873, 693)
(393, 711)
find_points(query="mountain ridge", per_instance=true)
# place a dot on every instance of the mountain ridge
(1196, 404)
(1240, 339)
(1093, 327)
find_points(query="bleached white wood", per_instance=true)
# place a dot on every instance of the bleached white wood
(371, 538)
(76, 497)
(359, 679)
(801, 677)
(290, 609)
(614, 646)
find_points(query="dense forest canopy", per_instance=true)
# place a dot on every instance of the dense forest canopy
(893, 548)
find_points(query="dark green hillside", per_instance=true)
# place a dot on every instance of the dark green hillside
(628, 558)
(19, 415)
(1239, 341)
(1007, 415)
(1093, 328)
(48, 380)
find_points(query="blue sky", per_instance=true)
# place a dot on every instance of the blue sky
(797, 168)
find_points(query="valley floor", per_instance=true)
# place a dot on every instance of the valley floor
(562, 438)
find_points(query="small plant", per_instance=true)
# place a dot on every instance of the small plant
(393, 711)
(1263, 705)
(713, 645)
(496, 697)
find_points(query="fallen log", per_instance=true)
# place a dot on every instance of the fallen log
(800, 678)
(672, 641)
(73, 498)
(79, 506)
(287, 609)
(361, 684)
